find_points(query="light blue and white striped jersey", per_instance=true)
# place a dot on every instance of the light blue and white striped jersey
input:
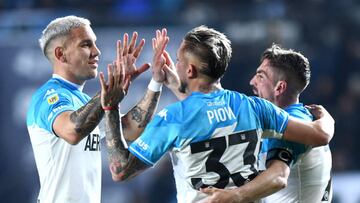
(213, 139)
(297, 111)
(68, 173)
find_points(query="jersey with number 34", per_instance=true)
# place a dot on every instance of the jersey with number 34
(213, 139)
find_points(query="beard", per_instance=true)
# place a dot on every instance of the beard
(183, 87)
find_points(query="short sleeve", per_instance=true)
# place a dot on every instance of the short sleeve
(53, 105)
(273, 120)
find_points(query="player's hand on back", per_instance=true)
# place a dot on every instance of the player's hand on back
(318, 111)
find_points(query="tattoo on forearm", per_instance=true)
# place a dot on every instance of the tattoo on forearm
(88, 116)
(118, 155)
(122, 164)
(144, 110)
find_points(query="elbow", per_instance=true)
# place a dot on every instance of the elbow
(72, 139)
(279, 183)
(323, 139)
(117, 172)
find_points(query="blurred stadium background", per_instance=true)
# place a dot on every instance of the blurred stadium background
(326, 31)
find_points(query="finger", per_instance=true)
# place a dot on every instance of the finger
(143, 68)
(118, 51)
(117, 74)
(139, 71)
(158, 34)
(133, 42)
(168, 59)
(110, 75)
(122, 74)
(125, 44)
(166, 41)
(127, 83)
(139, 48)
(154, 43)
(169, 71)
(164, 32)
(102, 82)
(208, 190)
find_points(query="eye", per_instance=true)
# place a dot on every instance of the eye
(87, 44)
(259, 75)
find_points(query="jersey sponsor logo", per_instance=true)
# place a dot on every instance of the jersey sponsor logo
(56, 109)
(163, 113)
(220, 114)
(53, 99)
(216, 103)
(142, 144)
(92, 143)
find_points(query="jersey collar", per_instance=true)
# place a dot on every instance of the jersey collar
(79, 87)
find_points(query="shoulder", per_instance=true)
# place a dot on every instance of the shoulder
(51, 87)
(299, 111)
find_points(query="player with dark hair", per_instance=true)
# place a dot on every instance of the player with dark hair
(281, 77)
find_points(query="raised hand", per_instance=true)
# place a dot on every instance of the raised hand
(127, 54)
(115, 90)
(172, 80)
(159, 61)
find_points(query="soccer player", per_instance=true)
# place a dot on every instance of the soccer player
(213, 135)
(281, 77)
(62, 120)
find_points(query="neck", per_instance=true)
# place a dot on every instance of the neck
(61, 71)
(204, 86)
(285, 101)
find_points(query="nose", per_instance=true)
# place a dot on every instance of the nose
(96, 51)
(252, 81)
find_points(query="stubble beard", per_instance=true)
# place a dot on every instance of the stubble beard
(183, 87)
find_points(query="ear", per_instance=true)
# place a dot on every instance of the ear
(280, 87)
(191, 71)
(59, 54)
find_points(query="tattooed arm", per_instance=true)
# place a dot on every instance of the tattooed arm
(123, 165)
(73, 126)
(135, 121)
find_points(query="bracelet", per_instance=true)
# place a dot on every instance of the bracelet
(155, 86)
(109, 108)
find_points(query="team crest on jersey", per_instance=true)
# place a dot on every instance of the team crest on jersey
(53, 99)
(163, 113)
(50, 91)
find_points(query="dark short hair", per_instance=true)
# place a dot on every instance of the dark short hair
(292, 66)
(211, 47)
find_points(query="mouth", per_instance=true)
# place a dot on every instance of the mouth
(255, 91)
(94, 63)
